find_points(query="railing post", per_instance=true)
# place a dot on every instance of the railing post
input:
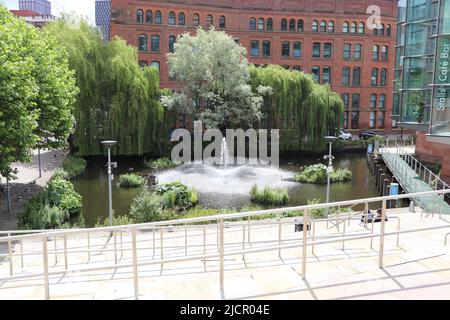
(217, 236)
(45, 256)
(366, 214)
(162, 246)
(115, 247)
(89, 245)
(383, 224)
(121, 245)
(248, 237)
(313, 237)
(10, 256)
(371, 239)
(222, 273)
(65, 252)
(21, 253)
(305, 243)
(343, 238)
(135, 268)
(243, 242)
(279, 236)
(185, 240)
(398, 233)
(153, 231)
(204, 243)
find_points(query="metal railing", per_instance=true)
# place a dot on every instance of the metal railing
(144, 246)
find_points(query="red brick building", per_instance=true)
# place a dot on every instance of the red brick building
(329, 38)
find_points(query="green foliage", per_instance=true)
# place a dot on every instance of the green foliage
(74, 166)
(131, 181)
(60, 193)
(269, 196)
(177, 195)
(117, 221)
(60, 174)
(160, 164)
(214, 69)
(304, 111)
(39, 216)
(37, 91)
(118, 99)
(146, 207)
(318, 174)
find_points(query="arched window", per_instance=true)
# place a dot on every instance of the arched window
(331, 26)
(222, 22)
(300, 25)
(375, 52)
(269, 24)
(209, 20)
(316, 73)
(254, 48)
(347, 50)
(149, 16)
(323, 26)
(283, 25)
(286, 49)
(315, 26)
(346, 76)
(155, 43)
(261, 24)
(345, 27)
(382, 102)
(326, 75)
(361, 28)
(172, 18)
(356, 76)
(172, 40)
(297, 49)
(142, 42)
(381, 31)
(374, 78)
(327, 50)
(353, 27)
(181, 19)
(252, 24)
(140, 16)
(155, 64)
(266, 48)
(388, 30)
(357, 54)
(317, 47)
(384, 53)
(373, 101)
(383, 76)
(196, 20)
(158, 17)
(292, 25)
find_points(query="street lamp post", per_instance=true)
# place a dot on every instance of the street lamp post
(330, 158)
(109, 144)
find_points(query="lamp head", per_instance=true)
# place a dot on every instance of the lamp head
(330, 138)
(108, 143)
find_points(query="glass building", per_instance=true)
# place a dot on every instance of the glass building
(422, 74)
(43, 7)
(102, 17)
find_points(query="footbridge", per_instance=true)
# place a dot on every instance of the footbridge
(250, 255)
(414, 177)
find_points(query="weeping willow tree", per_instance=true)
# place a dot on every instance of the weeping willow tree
(304, 110)
(117, 100)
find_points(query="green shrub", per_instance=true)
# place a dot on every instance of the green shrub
(60, 174)
(131, 180)
(177, 195)
(146, 207)
(60, 193)
(318, 174)
(160, 164)
(269, 196)
(38, 216)
(74, 166)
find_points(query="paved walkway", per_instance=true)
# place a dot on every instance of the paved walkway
(27, 185)
(419, 268)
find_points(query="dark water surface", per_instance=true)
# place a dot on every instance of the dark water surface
(222, 187)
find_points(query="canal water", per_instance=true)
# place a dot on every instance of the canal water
(222, 187)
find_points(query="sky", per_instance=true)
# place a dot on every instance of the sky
(85, 8)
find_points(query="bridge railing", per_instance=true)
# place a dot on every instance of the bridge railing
(196, 239)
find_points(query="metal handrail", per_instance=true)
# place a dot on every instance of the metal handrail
(186, 223)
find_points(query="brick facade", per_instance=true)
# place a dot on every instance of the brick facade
(434, 152)
(237, 15)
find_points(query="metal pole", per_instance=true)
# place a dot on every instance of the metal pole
(121, 245)
(8, 195)
(162, 252)
(383, 224)
(56, 251)
(248, 236)
(221, 255)
(21, 253)
(115, 247)
(65, 252)
(135, 269)
(46, 282)
(243, 242)
(153, 241)
(185, 240)
(39, 159)
(279, 236)
(10, 256)
(313, 237)
(110, 188)
(89, 245)
(330, 164)
(305, 237)
(343, 238)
